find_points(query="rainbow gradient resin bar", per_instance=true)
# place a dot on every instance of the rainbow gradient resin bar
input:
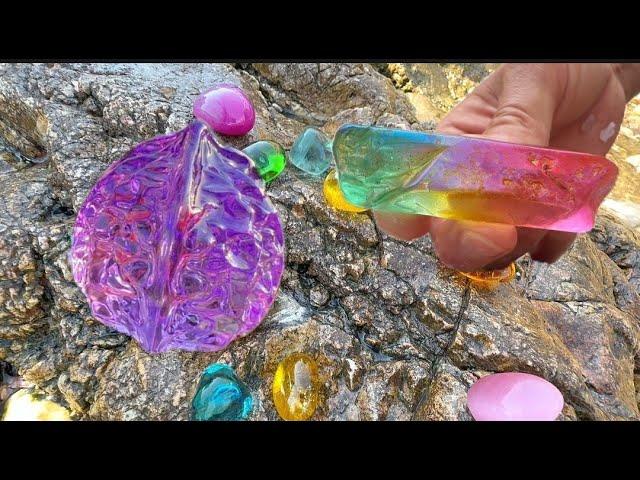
(467, 178)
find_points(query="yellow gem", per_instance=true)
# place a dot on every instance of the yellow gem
(334, 197)
(492, 278)
(295, 387)
(24, 405)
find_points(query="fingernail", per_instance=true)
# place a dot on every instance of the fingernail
(608, 132)
(588, 124)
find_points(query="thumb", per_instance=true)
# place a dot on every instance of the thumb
(524, 98)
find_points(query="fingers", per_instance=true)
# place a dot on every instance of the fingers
(469, 246)
(517, 104)
(595, 130)
(553, 246)
(629, 76)
(401, 225)
(528, 240)
(463, 245)
(527, 98)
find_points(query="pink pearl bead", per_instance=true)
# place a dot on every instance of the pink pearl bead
(226, 109)
(514, 396)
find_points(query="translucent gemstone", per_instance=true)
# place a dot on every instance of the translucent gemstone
(221, 395)
(311, 152)
(295, 387)
(334, 197)
(468, 178)
(514, 396)
(269, 157)
(492, 278)
(177, 244)
(25, 405)
(226, 109)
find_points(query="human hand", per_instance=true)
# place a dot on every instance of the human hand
(571, 106)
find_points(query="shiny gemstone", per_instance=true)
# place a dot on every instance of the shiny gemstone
(514, 396)
(25, 405)
(492, 278)
(226, 109)
(467, 178)
(269, 157)
(221, 395)
(295, 387)
(311, 152)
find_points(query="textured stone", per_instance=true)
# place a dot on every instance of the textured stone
(177, 246)
(314, 92)
(435, 88)
(398, 336)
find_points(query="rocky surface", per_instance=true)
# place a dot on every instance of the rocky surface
(396, 336)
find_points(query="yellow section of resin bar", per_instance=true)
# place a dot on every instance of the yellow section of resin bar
(334, 197)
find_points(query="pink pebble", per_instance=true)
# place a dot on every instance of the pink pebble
(514, 396)
(226, 109)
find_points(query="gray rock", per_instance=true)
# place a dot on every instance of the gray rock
(396, 335)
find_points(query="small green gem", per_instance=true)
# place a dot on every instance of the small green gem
(269, 157)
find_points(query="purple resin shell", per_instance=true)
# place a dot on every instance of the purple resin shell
(177, 244)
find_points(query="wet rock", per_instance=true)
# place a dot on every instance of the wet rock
(395, 335)
(318, 91)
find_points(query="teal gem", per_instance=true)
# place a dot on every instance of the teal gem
(221, 395)
(311, 152)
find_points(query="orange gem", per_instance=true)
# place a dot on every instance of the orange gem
(492, 278)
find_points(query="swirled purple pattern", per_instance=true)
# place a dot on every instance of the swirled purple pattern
(177, 244)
